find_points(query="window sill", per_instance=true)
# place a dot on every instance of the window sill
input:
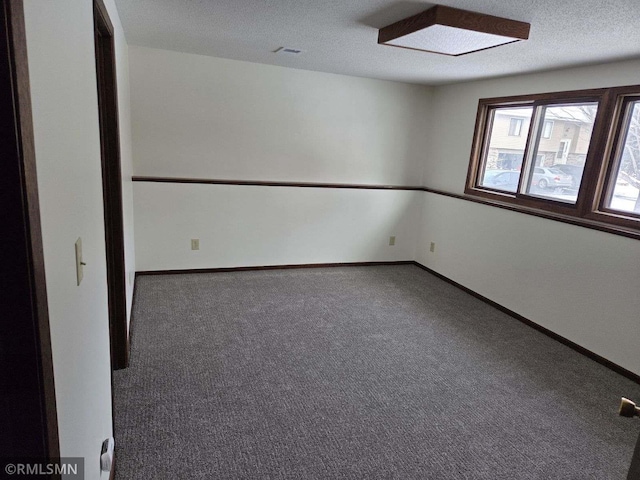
(595, 221)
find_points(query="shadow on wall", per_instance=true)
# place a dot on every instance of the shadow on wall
(415, 139)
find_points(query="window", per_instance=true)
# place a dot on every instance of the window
(622, 195)
(572, 156)
(515, 127)
(550, 179)
(505, 153)
(542, 177)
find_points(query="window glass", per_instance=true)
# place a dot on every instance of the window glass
(545, 154)
(624, 193)
(560, 158)
(515, 127)
(504, 152)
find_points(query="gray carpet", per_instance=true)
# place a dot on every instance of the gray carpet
(355, 373)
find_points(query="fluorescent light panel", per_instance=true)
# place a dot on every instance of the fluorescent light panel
(451, 31)
(449, 40)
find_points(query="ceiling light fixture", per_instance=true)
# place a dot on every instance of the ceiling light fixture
(454, 32)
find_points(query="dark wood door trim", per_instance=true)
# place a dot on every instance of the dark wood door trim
(112, 184)
(634, 469)
(27, 366)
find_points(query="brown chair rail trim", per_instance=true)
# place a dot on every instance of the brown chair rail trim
(580, 222)
(260, 183)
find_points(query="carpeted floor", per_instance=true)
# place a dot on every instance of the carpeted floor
(355, 373)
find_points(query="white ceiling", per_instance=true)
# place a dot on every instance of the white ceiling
(340, 36)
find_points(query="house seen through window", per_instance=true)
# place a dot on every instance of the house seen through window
(569, 154)
(560, 150)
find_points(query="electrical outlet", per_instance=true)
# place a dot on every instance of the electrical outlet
(432, 247)
(392, 240)
(195, 244)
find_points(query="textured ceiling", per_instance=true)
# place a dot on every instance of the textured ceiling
(340, 36)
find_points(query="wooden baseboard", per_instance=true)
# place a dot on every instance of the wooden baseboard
(273, 267)
(574, 346)
(112, 474)
(133, 305)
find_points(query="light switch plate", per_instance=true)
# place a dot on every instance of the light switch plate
(195, 244)
(79, 261)
(392, 240)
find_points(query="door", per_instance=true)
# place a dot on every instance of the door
(634, 469)
(111, 184)
(630, 409)
(28, 420)
(563, 150)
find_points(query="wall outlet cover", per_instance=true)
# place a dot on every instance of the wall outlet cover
(79, 262)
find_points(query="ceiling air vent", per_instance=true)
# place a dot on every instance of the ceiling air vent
(288, 51)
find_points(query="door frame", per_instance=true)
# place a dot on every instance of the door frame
(27, 368)
(111, 184)
(634, 468)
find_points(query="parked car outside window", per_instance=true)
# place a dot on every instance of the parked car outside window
(574, 170)
(506, 180)
(550, 178)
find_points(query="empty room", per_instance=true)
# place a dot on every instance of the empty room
(320, 240)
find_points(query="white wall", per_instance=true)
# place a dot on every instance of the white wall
(126, 156)
(202, 117)
(577, 282)
(197, 116)
(248, 225)
(64, 95)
